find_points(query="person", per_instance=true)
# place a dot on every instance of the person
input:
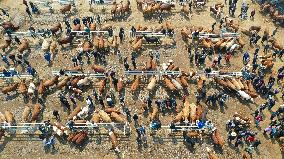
(109, 101)
(252, 13)
(4, 12)
(135, 118)
(29, 12)
(56, 115)
(121, 34)
(133, 31)
(126, 65)
(266, 47)
(75, 61)
(160, 18)
(98, 19)
(47, 57)
(213, 26)
(232, 136)
(85, 21)
(4, 59)
(246, 58)
(34, 8)
(17, 40)
(190, 5)
(256, 143)
(257, 120)
(25, 3)
(133, 59)
(274, 31)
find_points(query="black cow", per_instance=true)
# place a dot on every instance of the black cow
(152, 39)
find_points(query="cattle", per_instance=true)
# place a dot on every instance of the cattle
(135, 84)
(217, 138)
(95, 118)
(63, 82)
(59, 129)
(166, 7)
(138, 45)
(117, 117)
(9, 25)
(84, 82)
(26, 114)
(41, 88)
(31, 88)
(178, 117)
(55, 28)
(245, 96)
(23, 46)
(74, 113)
(152, 83)
(102, 85)
(120, 85)
(176, 84)
(10, 88)
(114, 141)
(51, 82)
(154, 114)
(110, 110)
(211, 155)
(98, 69)
(255, 28)
(9, 117)
(23, 88)
(76, 90)
(5, 45)
(104, 116)
(81, 138)
(186, 110)
(169, 84)
(65, 40)
(36, 112)
(183, 81)
(2, 118)
(65, 9)
(152, 39)
(193, 109)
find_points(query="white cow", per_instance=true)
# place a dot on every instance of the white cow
(245, 96)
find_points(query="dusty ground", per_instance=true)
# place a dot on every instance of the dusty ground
(166, 149)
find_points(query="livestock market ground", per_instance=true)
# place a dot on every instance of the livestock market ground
(167, 149)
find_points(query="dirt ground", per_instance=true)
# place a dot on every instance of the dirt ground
(166, 149)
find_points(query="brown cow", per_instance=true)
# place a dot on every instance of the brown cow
(102, 85)
(66, 9)
(166, 7)
(9, 117)
(41, 87)
(23, 46)
(63, 82)
(51, 82)
(10, 88)
(4, 46)
(98, 69)
(169, 84)
(120, 85)
(66, 40)
(55, 28)
(135, 84)
(23, 88)
(36, 112)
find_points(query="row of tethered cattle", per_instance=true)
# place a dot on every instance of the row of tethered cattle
(99, 42)
(232, 44)
(273, 11)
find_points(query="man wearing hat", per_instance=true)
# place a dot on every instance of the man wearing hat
(232, 135)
